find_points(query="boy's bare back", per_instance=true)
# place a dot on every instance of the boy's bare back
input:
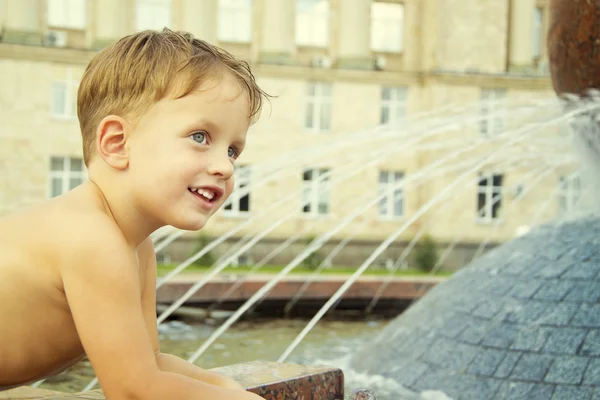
(40, 252)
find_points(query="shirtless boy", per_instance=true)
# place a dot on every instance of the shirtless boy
(163, 118)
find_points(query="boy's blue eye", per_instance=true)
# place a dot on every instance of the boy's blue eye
(199, 137)
(232, 152)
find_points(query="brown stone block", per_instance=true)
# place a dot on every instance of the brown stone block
(277, 381)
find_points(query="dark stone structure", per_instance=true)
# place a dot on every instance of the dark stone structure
(522, 322)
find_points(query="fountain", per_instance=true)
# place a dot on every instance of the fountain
(522, 321)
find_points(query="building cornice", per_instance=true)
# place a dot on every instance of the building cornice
(400, 78)
(46, 54)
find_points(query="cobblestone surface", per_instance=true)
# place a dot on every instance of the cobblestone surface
(522, 322)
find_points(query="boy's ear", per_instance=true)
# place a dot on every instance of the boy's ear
(111, 141)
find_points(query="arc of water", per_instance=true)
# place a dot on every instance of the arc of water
(405, 253)
(235, 247)
(352, 139)
(200, 283)
(328, 258)
(340, 246)
(314, 152)
(382, 247)
(283, 201)
(240, 281)
(317, 271)
(290, 304)
(275, 252)
(194, 288)
(315, 245)
(222, 238)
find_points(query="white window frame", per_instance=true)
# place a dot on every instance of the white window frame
(65, 175)
(70, 14)
(569, 194)
(159, 14)
(387, 27)
(393, 107)
(389, 193)
(235, 21)
(492, 111)
(315, 192)
(68, 110)
(318, 107)
(312, 23)
(490, 193)
(242, 179)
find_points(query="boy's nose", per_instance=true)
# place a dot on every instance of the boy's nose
(221, 166)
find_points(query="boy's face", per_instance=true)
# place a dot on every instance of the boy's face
(182, 153)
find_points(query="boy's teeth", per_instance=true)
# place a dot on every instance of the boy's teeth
(209, 194)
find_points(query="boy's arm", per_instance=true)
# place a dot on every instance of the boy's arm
(168, 362)
(101, 284)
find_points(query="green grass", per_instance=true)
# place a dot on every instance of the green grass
(163, 269)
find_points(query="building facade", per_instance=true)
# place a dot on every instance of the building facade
(341, 70)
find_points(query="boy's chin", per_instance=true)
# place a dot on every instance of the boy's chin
(191, 225)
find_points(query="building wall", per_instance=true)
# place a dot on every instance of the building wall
(452, 51)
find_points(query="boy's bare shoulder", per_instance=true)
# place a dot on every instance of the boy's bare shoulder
(57, 228)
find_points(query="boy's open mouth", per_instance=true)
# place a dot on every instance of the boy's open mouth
(207, 194)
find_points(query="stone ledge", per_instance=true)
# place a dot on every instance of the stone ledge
(270, 380)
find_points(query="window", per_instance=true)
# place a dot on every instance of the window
(235, 21)
(489, 197)
(318, 107)
(312, 23)
(239, 200)
(152, 14)
(387, 27)
(63, 102)
(65, 174)
(393, 104)
(391, 194)
(67, 13)
(569, 195)
(492, 111)
(538, 32)
(315, 193)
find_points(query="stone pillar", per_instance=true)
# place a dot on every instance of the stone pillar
(112, 19)
(353, 34)
(276, 31)
(200, 19)
(22, 22)
(521, 34)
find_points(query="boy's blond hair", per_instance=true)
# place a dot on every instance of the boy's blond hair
(129, 76)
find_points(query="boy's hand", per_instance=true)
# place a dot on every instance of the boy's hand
(171, 363)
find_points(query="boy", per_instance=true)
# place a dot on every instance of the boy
(163, 117)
